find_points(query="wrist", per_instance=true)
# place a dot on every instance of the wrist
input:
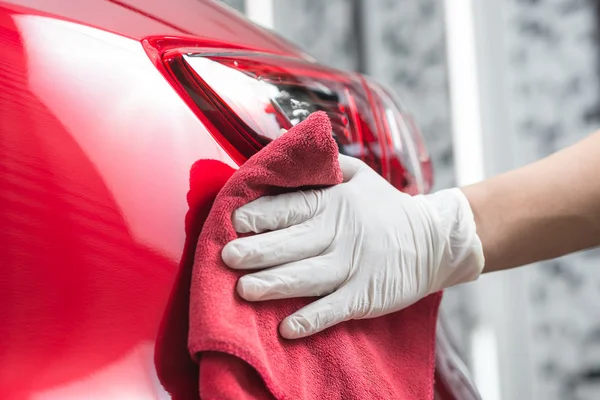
(459, 251)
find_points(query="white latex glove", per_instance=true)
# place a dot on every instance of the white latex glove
(367, 247)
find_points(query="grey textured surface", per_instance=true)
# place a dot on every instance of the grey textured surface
(555, 94)
(322, 28)
(554, 64)
(237, 4)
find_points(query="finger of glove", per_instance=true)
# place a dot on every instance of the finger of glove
(276, 212)
(318, 316)
(310, 277)
(264, 250)
(349, 166)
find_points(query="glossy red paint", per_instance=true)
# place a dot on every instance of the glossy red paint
(95, 152)
(205, 20)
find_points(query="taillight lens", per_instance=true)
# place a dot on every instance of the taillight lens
(405, 142)
(247, 98)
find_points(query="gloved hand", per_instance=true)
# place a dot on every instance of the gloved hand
(368, 248)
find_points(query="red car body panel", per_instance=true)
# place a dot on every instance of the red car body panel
(136, 19)
(95, 153)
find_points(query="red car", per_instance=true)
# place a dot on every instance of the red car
(104, 107)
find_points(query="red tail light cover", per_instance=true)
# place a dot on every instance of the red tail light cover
(246, 98)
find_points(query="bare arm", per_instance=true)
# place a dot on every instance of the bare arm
(544, 210)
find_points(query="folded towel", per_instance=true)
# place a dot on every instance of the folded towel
(236, 343)
(177, 372)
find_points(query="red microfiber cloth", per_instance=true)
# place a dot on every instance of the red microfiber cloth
(237, 344)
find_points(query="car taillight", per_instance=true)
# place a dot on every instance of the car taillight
(247, 98)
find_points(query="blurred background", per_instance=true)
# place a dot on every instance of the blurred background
(494, 84)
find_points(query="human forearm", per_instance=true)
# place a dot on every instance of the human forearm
(541, 211)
